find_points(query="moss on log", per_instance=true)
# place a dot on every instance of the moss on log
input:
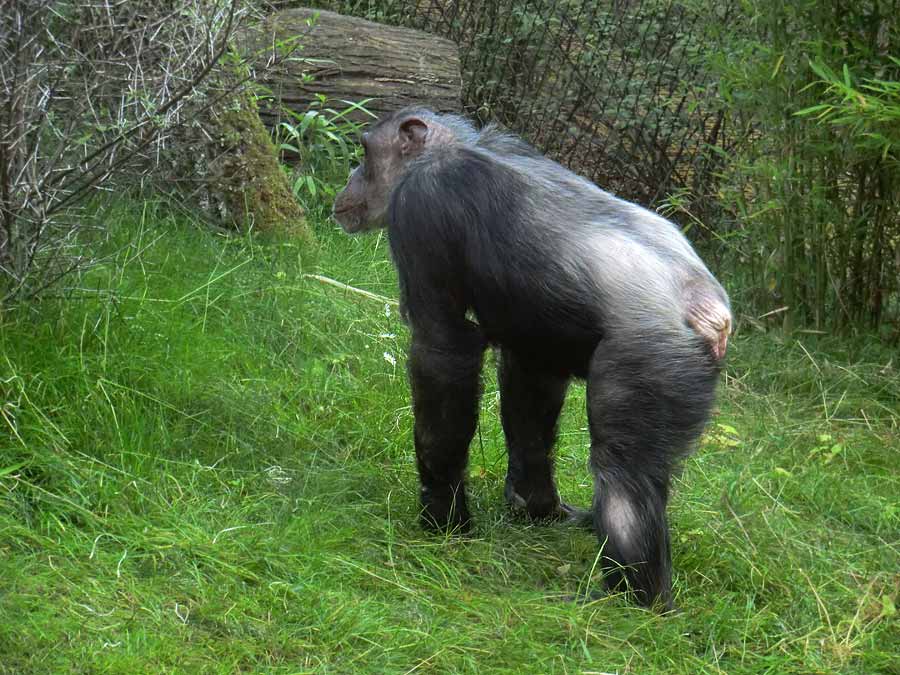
(226, 165)
(246, 183)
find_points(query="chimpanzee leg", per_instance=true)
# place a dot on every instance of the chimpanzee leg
(445, 370)
(648, 399)
(530, 401)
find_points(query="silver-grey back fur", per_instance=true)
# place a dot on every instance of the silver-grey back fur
(636, 259)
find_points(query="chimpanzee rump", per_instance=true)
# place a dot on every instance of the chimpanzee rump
(567, 280)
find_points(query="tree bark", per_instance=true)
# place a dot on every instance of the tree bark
(349, 59)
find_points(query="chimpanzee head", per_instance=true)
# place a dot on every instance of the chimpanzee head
(389, 147)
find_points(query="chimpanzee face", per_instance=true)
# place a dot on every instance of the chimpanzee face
(362, 205)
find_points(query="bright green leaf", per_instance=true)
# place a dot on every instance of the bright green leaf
(13, 467)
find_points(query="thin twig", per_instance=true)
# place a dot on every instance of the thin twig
(352, 289)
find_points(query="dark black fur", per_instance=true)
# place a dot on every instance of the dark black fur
(487, 225)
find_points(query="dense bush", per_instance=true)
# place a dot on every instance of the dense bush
(85, 91)
(97, 98)
(815, 192)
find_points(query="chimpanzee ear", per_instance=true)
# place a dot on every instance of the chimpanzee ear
(412, 136)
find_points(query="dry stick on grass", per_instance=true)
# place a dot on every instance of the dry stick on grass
(352, 289)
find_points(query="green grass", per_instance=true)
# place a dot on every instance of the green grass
(206, 466)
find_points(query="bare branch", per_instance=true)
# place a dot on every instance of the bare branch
(85, 95)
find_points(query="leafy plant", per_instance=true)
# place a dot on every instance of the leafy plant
(868, 110)
(814, 192)
(322, 146)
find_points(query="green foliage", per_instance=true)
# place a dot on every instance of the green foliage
(869, 112)
(208, 467)
(815, 191)
(323, 146)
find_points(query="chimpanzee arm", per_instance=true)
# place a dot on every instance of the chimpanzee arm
(446, 352)
(444, 371)
(445, 377)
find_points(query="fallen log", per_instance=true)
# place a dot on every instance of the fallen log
(348, 59)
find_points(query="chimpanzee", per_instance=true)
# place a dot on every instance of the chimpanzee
(568, 281)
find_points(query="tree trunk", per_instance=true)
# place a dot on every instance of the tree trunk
(349, 59)
(227, 165)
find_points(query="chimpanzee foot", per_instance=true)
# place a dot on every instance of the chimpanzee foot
(445, 511)
(574, 516)
(551, 509)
